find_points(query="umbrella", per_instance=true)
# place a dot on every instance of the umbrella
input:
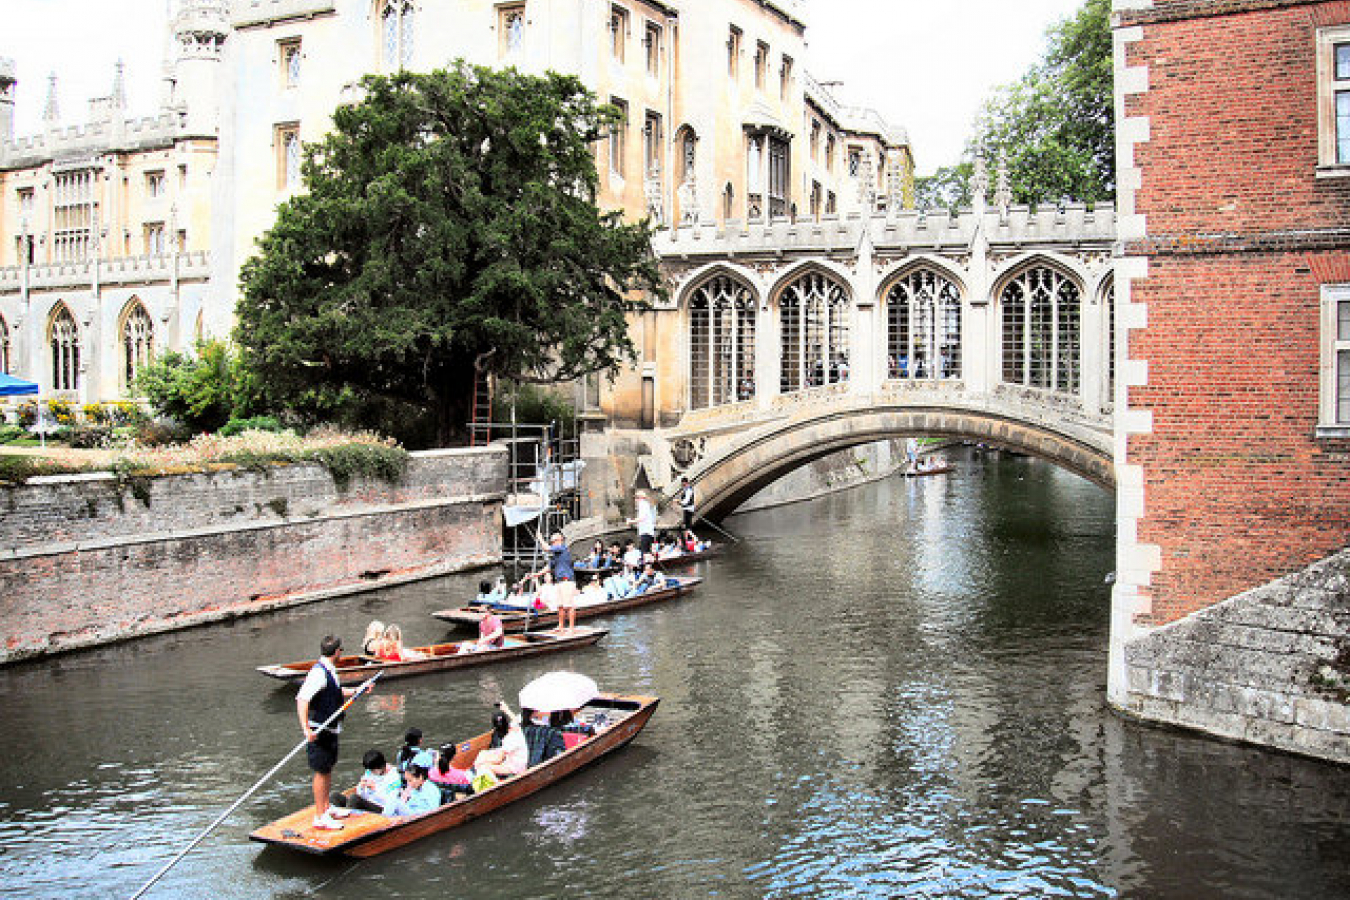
(558, 690)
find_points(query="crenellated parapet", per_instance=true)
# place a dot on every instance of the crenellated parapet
(92, 138)
(252, 13)
(160, 268)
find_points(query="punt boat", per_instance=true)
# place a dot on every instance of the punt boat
(677, 561)
(517, 618)
(355, 669)
(617, 719)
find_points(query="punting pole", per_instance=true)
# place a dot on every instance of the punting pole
(729, 535)
(249, 793)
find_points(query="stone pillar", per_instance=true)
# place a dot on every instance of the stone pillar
(767, 362)
(979, 330)
(865, 367)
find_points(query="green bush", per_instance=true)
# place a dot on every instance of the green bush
(90, 437)
(154, 433)
(10, 433)
(347, 461)
(255, 423)
(203, 391)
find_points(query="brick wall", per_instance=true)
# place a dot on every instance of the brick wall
(1240, 235)
(84, 561)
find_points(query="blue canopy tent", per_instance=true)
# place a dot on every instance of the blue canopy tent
(11, 386)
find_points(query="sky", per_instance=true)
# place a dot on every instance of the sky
(925, 65)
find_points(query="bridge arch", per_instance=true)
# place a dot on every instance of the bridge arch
(729, 476)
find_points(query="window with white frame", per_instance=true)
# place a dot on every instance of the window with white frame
(288, 57)
(722, 316)
(73, 206)
(1333, 98)
(1040, 312)
(138, 341)
(288, 150)
(511, 29)
(618, 137)
(923, 327)
(397, 31)
(1334, 394)
(814, 319)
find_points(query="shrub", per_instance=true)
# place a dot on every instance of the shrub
(256, 423)
(10, 433)
(158, 433)
(90, 437)
(28, 411)
(18, 469)
(203, 392)
(347, 461)
(97, 413)
(62, 411)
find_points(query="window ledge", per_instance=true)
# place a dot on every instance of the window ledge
(1333, 171)
(1332, 432)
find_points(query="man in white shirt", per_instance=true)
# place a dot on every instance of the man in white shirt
(320, 697)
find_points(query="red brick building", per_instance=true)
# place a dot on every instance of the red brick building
(1234, 442)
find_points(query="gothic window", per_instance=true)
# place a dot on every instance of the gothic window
(4, 347)
(618, 32)
(288, 55)
(397, 30)
(815, 200)
(722, 317)
(511, 27)
(154, 238)
(854, 162)
(652, 42)
(761, 63)
(829, 152)
(73, 215)
(831, 204)
(785, 77)
(65, 347)
(138, 341)
(688, 147)
(923, 327)
(1109, 305)
(652, 144)
(815, 139)
(618, 137)
(1040, 311)
(814, 334)
(288, 149)
(734, 52)
(154, 184)
(779, 174)
(728, 203)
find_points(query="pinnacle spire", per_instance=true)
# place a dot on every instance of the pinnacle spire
(51, 114)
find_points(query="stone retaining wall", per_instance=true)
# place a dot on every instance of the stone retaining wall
(1250, 668)
(88, 559)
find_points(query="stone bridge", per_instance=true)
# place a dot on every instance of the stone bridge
(783, 341)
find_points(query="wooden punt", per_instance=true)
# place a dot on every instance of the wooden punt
(668, 562)
(516, 621)
(442, 657)
(940, 470)
(369, 834)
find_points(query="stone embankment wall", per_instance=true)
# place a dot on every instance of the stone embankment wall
(90, 559)
(1270, 666)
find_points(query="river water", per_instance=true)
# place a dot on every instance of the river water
(894, 691)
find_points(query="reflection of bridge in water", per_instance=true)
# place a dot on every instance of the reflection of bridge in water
(802, 338)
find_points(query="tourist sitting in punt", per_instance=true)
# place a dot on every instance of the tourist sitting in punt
(692, 544)
(620, 584)
(379, 785)
(542, 738)
(652, 580)
(490, 594)
(598, 558)
(370, 644)
(452, 781)
(412, 745)
(391, 648)
(418, 795)
(632, 556)
(593, 594)
(491, 632)
(508, 755)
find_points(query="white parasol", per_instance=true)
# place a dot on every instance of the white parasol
(558, 690)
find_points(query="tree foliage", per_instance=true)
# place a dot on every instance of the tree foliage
(200, 391)
(1055, 127)
(448, 225)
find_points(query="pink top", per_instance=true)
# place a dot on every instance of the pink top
(451, 776)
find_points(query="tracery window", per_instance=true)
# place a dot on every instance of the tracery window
(65, 346)
(814, 314)
(138, 341)
(1041, 326)
(397, 31)
(722, 316)
(288, 53)
(923, 327)
(73, 215)
(288, 149)
(4, 346)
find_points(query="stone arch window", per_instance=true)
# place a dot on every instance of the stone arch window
(138, 341)
(722, 317)
(64, 338)
(397, 31)
(728, 203)
(923, 327)
(1040, 310)
(686, 182)
(4, 346)
(814, 315)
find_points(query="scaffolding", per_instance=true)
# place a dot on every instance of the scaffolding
(543, 488)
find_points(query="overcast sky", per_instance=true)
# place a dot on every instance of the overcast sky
(924, 64)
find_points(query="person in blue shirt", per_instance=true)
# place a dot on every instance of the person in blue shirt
(565, 576)
(417, 796)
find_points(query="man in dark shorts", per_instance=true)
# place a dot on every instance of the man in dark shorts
(320, 697)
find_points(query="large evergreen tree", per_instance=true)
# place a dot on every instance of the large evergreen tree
(1055, 127)
(448, 225)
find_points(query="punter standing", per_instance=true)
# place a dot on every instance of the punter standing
(645, 520)
(687, 503)
(320, 697)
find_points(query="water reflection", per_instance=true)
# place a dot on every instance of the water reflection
(894, 691)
